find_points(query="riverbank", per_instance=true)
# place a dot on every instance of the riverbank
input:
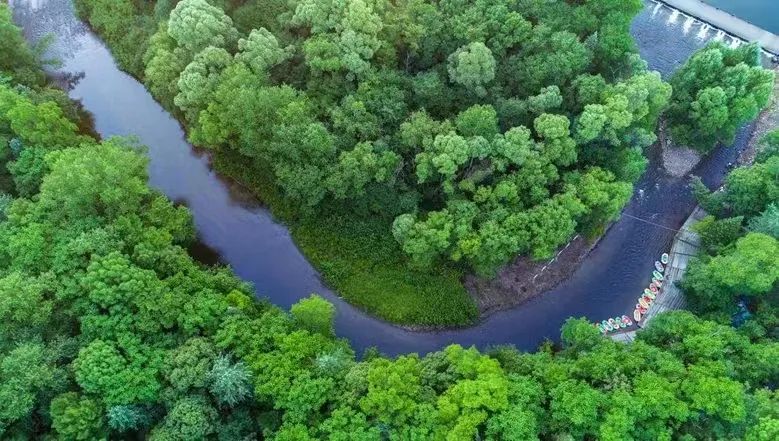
(360, 260)
(768, 120)
(685, 246)
(525, 278)
(358, 257)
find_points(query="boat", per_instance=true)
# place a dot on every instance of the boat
(613, 324)
(607, 326)
(654, 287)
(626, 320)
(637, 315)
(600, 328)
(650, 294)
(643, 303)
(657, 275)
(658, 283)
(659, 266)
(621, 322)
(664, 259)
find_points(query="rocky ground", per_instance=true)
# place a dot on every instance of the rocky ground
(677, 160)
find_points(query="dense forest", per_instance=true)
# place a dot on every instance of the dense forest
(717, 91)
(110, 330)
(416, 141)
(453, 136)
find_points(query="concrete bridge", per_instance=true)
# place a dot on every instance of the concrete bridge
(727, 22)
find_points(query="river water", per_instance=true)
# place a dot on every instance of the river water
(761, 13)
(245, 235)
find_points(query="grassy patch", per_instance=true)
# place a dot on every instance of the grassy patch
(361, 260)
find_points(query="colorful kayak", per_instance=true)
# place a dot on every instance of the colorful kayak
(650, 294)
(654, 287)
(626, 320)
(637, 315)
(658, 283)
(643, 303)
(600, 328)
(664, 259)
(607, 326)
(659, 266)
(657, 275)
(613, 324)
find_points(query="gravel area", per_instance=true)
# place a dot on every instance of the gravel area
(678, 161)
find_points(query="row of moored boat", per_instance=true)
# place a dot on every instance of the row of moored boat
(644, 302)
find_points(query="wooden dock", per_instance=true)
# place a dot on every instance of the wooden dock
(685, 246)
(727, 22)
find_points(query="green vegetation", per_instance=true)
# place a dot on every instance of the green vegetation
(741, 238)
(409, 142)
(17, 60)
(717, 91)
(360, 262)
(109, 330)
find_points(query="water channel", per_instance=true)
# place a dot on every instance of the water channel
(260, 250)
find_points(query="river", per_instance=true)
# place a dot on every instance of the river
(260, 250)
(761, 13)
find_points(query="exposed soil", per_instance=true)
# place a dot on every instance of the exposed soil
(525, 278)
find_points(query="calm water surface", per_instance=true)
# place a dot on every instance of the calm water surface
(260, 250)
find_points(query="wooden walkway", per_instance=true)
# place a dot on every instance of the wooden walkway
(727, 22)
(685, 246)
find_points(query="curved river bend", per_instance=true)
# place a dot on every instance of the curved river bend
(260, 250)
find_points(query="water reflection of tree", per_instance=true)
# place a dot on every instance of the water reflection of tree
(41, 18)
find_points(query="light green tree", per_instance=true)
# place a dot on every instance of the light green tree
(195, 25)
(472, 66)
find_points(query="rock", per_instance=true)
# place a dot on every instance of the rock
(679, 161)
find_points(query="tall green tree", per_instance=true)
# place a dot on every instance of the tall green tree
(715, 92)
